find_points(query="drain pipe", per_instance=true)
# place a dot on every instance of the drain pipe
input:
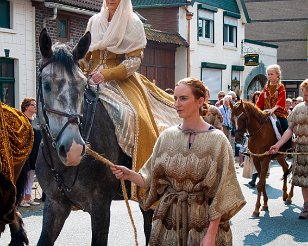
(55, 12)
(189, 16)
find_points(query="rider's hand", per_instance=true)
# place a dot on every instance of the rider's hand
(120, 172)
(97, 77)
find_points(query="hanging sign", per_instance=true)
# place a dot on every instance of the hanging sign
(251, 60)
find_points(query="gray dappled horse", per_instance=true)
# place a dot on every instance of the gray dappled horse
(67, 176)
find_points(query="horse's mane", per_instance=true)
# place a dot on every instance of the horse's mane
(250, 107)
(62, 56)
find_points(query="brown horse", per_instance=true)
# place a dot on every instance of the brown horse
(16, 136)
(247, 117)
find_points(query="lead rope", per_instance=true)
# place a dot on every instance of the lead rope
(110, 164)
(279, 152)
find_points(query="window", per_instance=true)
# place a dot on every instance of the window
(206, 25)
(230, 31)
(213, 79)
(63, 28)
(5, 14)
(7, 81)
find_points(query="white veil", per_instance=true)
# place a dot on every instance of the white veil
(122, 35)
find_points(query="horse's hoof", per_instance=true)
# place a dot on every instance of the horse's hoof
(264, 208)
(255, 214)
(288, 201)
(284, 197)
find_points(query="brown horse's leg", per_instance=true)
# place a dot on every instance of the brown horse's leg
(256, 212)
(281, 160)
(291, 193)
(262, 183)
(18, 233)
(265, 199)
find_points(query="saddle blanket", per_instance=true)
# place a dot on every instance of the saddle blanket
(274, 120)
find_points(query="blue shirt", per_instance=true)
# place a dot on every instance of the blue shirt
(226, 115)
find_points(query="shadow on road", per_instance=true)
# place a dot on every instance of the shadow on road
(273, 193)
(268, 232)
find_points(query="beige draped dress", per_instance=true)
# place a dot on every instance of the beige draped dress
(192, 186)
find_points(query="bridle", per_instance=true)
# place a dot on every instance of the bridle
(71, 119)
(243, 130)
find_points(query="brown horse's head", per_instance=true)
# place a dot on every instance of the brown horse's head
(239, 119)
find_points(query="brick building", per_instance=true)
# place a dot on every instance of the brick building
(283, 23)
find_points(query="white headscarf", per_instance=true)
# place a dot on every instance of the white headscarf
(124, 34)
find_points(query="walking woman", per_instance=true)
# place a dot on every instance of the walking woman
(191, 175)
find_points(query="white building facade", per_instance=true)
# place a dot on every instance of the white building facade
(216, 37)
(17, 51)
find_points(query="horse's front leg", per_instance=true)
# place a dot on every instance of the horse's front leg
(18, 233)
(100, 221)
(284, 165)
(54, 216)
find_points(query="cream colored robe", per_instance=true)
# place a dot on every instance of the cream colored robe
(298, 123)
(193, 185)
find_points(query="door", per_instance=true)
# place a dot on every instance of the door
(7, 81)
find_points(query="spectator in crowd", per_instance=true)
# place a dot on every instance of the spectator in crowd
(299, 100)
(28, 107)
(294, 102)
(213, 117)
(289, 105)
(255, 97)
(233, 95)
(220, 96)
(298, 125)
(169, 91)
(226, 115)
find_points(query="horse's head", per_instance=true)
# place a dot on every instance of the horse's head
(61, 87)
(239, 120)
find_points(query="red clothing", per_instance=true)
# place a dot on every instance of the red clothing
(271, 96)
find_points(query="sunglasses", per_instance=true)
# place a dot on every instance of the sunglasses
(221, 96)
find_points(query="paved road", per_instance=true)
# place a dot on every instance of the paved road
(280, 226)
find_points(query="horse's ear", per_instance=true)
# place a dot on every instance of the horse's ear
(45, 44)
(82, 47)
